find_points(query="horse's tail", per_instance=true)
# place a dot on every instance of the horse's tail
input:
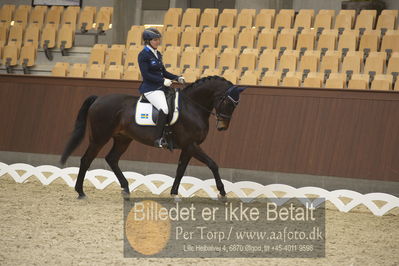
(79, 130)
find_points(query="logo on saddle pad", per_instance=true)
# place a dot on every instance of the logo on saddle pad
(147, 114)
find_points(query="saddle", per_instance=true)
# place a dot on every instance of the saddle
(147, 114)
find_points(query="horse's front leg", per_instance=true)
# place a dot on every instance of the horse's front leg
(201, 156)
(181, 168)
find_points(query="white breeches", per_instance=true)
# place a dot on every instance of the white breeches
(158, 99)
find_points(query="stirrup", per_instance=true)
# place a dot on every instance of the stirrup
(161, 143)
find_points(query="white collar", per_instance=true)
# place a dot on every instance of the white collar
(153, 50)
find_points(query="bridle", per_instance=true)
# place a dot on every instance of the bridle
(223, 98)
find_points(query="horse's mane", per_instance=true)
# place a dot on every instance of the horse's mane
(203, 80)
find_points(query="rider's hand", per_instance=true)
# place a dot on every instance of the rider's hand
(167, 82)
(181, 80)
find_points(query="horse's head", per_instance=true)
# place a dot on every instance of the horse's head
(226, 105)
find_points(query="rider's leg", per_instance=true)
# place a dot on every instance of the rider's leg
(158, 100)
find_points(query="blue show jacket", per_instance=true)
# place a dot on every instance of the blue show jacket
(152, 71)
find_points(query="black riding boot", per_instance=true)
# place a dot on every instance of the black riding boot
(160, 141)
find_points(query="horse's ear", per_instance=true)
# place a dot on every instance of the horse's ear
(241, 89)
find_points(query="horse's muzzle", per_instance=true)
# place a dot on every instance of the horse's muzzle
(222, 125)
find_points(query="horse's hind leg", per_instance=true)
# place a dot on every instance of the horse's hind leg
(121, 143)
(85, 163)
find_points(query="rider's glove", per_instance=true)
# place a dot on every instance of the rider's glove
(167, 82)
(181, 80)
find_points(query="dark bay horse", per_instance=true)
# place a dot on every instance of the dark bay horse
(112, 116)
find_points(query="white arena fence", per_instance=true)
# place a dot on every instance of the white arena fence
(208, 186)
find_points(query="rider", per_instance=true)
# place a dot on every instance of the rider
(155, 79)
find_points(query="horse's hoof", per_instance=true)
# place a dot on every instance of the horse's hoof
(177, 198)
(80, 197)
(222, 197)
(125, 195)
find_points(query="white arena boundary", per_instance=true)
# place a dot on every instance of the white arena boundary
(208, 186)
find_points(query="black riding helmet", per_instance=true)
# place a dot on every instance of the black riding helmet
(151, 33)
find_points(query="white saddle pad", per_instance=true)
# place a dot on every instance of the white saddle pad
(145, 112)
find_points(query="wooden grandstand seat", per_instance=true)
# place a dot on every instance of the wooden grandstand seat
(171, 58)
(11, 54)
(95, 71)
(303, 20)
(292, 79)
(172, 18)
(230, 11)
(352, 62)
(271, 78)
(97, 55)
(231, 75)
(208, 58)
(208, 38)
(286, 39)
(214, 11)
(131, 56)
(330, 61)
(268, 60)
(314, 80)
(132, 73)
(104, 18)
(191, 74)
(336, 81)
(246, 39)
(244, 20)
(323, 21)
(375, 62)
(348, 41)
(60, 69)
(283, 21)
(48, 36)
(54, 16)
(16, 34)
(289, 60)
(370, 41)
(77, 70)
(247, 61)
(114, 72)
(189, 58)
(365, 21)
(327, 40)
(70, 17)
(327, 11)
(267, 39)
(28, 56)
(134, 36)
(208, 20)
(226, 39)
(37, 16)
(263, 20)
(382, 82)
(228, 59)
(66, 37)
(349, 12)
(86, 18)
(359, 82)
(310, 62)
(393, 64)
(390, 41)
(4, 29)
(115, 55)
(189, 38)
(226, 20)
(171, 37)
(32, 34)
(343, 21)
(250, 77)
(190, 18)
(386, 21)
(6, 13)
(21, 15)
(306, 40)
